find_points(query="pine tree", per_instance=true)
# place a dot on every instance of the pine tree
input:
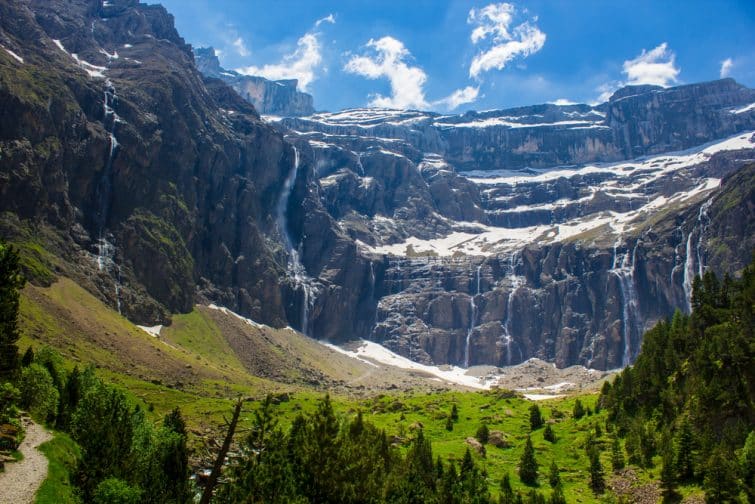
(617, 456)
(11, 282)
(553, 477)
(536, 419)
(720, 482)
(528, 464)
(507, 493)
(483, 433)
(548, 434)
(668, 477)
(449, 424)
(28, 357)
(557, 497)
(454, 413)
(579, 410)
(597, 481)
(685, 467)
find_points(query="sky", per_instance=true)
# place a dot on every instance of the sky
(452, 56)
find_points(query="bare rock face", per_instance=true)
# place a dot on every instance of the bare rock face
(279, 97)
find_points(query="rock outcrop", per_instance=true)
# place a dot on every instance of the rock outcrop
(271, 97)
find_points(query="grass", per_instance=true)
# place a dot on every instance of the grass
(62, 453)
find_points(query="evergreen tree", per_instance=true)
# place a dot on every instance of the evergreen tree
(720, 484)
(597, 481)
(69, 399)
(617, 455)
(685, 467)
(528, 464)
(747, 465)
(449, 424)
(557, 497)
(536, 419)
(668, 477)
(483, 433)
(507, 493)
(553, 477)
(11, 282)
(548, 434)
(28, 357)
(454, 413)
(579, 410)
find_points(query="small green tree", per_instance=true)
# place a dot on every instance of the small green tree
(9, 396)
(548, 434)
(507, 493)
(617, 455)
(536, 419)
(449, 424)
(28, 357)
(554, 480)
(685, 458)
(38, 394)
(483, 433)
(579, 410)
(597, 480)
(720, 481)
(528, 464)
(747, 465)
(557, 497)
(668, 477)
(115, 491)
(454, 413)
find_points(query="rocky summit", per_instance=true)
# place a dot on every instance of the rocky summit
(157, 180)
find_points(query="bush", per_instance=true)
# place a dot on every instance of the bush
(38, 393)
(115, 491)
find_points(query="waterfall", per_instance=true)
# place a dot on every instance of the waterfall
(473, 317)
(623, 269)
(516, 283)
(295, 267)
(695, 257)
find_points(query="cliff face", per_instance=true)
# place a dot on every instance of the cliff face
(450, 239)
(279, 98)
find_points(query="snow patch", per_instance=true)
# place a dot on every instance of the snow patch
(153, 331)
(14, 55)
(225, 310)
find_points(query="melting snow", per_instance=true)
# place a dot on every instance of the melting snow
(742, 110)
(225, 310)
(14, 55)
(153, 331)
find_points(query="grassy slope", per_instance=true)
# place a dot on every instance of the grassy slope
(207, 358)
(62, 453)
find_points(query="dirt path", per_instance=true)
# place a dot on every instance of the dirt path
(21, 480)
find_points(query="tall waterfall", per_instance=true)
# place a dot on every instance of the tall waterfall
(694, 257)
(473, 316)
(295, 267)
(516, 283)
(623, 268)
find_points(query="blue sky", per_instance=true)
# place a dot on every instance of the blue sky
(454, 55)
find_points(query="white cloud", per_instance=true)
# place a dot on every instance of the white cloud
(300, 64)
(389, 61)
(563, 101)
(726, 66)
(494, 23)
(652, 67)
(240, 47)
(330, 18)
(459, 97)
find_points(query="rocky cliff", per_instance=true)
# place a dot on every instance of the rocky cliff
(278, 98)
(485, 238)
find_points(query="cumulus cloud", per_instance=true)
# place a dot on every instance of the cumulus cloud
(240, 47)
(459, 97)
(726, 66)
(652, 67)
(389, 60)
(330, 18)
(301, 64)
(493, 26)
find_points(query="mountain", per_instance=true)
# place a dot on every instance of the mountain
(558, 232)
(278, 97)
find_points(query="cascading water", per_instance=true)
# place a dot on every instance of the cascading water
(295, 267)
(623, 269)
(472, 318)
(695, 257)
(516, 283)
(104, 246)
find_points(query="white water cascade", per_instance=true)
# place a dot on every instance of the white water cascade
(516, 283)
(105, 248)
(623, 268)
(295, 267)
(473, 317)
(694, 257)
